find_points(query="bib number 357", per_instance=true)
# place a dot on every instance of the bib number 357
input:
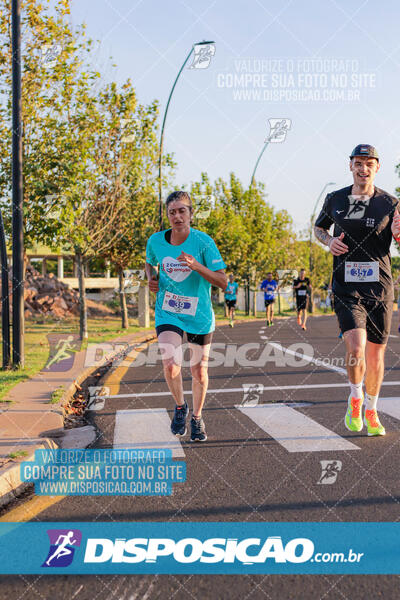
(361, 271)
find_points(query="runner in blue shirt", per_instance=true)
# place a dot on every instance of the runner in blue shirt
(269, 286)
(188, 262)
(230, 298)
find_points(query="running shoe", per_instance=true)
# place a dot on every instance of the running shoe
(353, 419)
(374, 426)
(198, 433)
(304, 328)
(340, 336)
(267, 323)
(231, 323)
(178, 423)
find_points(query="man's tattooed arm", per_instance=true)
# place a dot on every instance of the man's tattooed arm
(322, 235)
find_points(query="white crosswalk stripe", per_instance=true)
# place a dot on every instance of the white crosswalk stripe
(389, 406)
(144, 429)
(293, 430)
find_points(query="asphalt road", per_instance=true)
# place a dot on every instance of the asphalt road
(261, 462)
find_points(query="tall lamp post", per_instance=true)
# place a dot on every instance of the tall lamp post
(5, 300)
(17, 196)
(257, 163)
(311, 266)
(204, 43)
(313, 219)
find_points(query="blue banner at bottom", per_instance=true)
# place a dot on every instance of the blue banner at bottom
(199, 547)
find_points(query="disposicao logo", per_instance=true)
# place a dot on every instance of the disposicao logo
(63, 543)
(190, 550)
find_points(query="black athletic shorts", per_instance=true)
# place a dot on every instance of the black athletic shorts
(372, 315)
(202, 339)
(268, 302)
(230, 303)
(301, 302)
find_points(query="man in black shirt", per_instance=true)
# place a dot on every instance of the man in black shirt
(302, 288)
(364, 218)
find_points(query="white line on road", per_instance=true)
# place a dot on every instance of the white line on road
(293, 430)
(275, 388)
(144, 429)
(316, 361)
(389, 406)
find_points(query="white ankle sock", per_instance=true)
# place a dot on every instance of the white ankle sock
(370, 402)
(356, 390)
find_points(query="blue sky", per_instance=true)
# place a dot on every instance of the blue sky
(343, 57)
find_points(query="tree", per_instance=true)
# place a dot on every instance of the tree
(134, 166)
(252, 235)
(51, 97)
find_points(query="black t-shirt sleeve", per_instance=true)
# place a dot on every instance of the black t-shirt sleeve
(324, 218)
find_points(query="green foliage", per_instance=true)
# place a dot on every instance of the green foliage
(252, 236)
(56, 108)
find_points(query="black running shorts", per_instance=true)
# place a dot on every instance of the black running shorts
(230, 303)
(202, 339)
(301, 302)
(268, 302)
(373, 315)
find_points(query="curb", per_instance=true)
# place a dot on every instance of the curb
(70, 391)
(11, 484)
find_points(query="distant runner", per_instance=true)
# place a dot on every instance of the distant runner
(230, 298)
(269, 285)
(364, 218)
(188, 263)
(302, 288)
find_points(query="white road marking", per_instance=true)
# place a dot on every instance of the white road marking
(311, 359)
(393, 336)
(274, 388)
(145, 428)
(293, 430)
(389, 406)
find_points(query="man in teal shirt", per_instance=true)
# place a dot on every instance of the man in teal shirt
(188, 263)
(230, 298)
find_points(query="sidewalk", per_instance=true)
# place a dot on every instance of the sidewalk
(26, 422)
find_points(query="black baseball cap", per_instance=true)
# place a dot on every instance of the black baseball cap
(365, 150)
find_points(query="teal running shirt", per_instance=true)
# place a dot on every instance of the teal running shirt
(231, 290)
(184, 296)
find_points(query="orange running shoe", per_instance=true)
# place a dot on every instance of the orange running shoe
(373, 423)
(353, 419)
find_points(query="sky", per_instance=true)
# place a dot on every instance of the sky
(330, 68)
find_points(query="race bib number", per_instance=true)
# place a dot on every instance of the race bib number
(183, 305)
(361, 271)
(301, 292)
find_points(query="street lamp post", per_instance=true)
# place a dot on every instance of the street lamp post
(311, 266)
(17, 197)
(257, 163)
(5, 300)
(162, 133)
